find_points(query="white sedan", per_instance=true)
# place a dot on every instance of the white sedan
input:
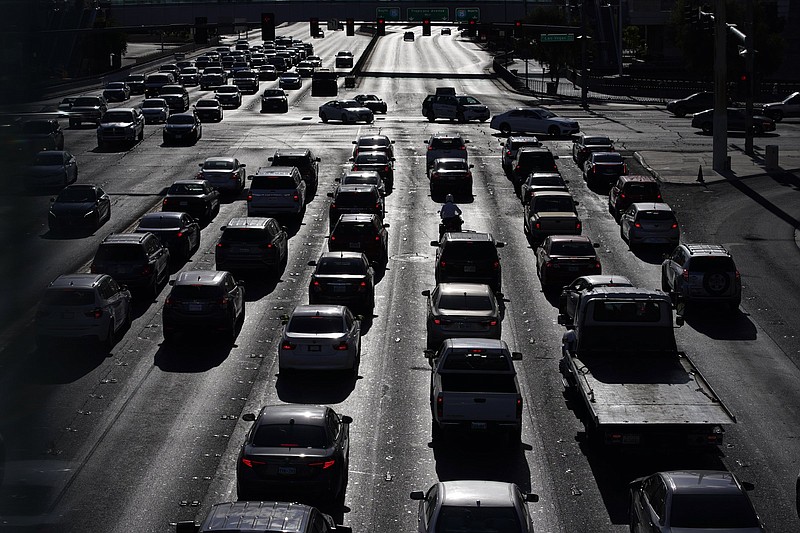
(320, 337)
(345, 110)
(533, 120)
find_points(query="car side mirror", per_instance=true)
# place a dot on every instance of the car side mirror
(351, 159)
(417, 495)
(386, 225)
(472, 166)
(317, 159)
(516, 356)
(312, 263)
(425, 141)
(596, 244)
(555, 157)
(250, 178)
(249, 417)
(330, 195)
(347, 419)
(502, 144)
(426, 292)
(429, 354)
(576, 202)
(500, 244)
(533, 498)
(200, 165)
(172, 283)
(466, 141)
(435, 243)
(355, 142)
(679, 321)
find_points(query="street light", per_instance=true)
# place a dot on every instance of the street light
(619, 33)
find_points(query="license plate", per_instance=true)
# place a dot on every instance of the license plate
(339, 288)
(465, 325)
(195, 307)
(478, 425)
(314, 348)
(470, 269)
(242, 250)
(572, 269)
(287, 470)
(178, 135)
(184, 203)
(355, 245)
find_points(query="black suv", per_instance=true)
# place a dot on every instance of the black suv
(306, 163)
(252, 243)
(203, 299)
(697, 273)
(138, 260)
(355, 199)
(531, 159)
(343, 278)
(361, 233)
(630, 190)
(470, 257)
(274, 100)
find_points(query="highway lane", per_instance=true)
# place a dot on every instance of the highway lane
(160, 440)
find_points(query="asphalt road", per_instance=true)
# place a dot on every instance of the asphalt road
(148, 435)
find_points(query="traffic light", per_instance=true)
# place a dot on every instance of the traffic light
(381, 27)
(426, 26)
(200, 30)
(314, 26)
(267, 26)
(517, 28)
(472, 28)
(350, 26)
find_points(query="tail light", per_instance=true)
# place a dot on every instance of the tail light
(333, 237)
(439, 405)
(355, 167)
(234, 176)
(430, 147)
(584, 150)
(555, 167)
(659, 196)
(165, 202)
(442, 264)
(548, 264)
(493, 322)
(266, 246)
(179, 235)
(538, 225)
(674, 225)
(97, 312)
(519, 406)
(469, 174)
(249, 463)
(577, 225)
(624, 168)
(249, 197)
(222, 245)
(738, 276)
(377, 205)
(223, 301)
(516, 167)
(362, 286)
(434, 175)
(146, 270)
(637, 224)
(341, 346)
(597, 265)
(463, 147)
(296, 197)
(377, 238)
(386, 168)
(496, 265)
(323, 464)
(437, 321)
(685, 274)
(169, 302)
(622, 195)
(316, 286)
(288, 346)
(508, 153)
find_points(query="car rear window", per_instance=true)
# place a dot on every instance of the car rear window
(347, 230)
(608, 158)
(472, 359)
(355, 199)
(572, 248)
(316, 324)
(462, 519)
(642, 188)
(197, 292)
(465, 302)
(119, 252)
(68, 297)
(186, 188)
(160, 223)
(291, 161)
(446, 143)
(279, 181)
(469, 250)
(372, 141)
(341, 266)
(712, 511)
(290, 436)
(218, 164)
(611, 311)
(154, 103)
(244, 235)
(597, 141)
(656, 215)
(458, 164)
(712, 264)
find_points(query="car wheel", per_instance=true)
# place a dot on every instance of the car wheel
(707, 127)
(431, 116)
(436, 431)
(344, 118)
(324, 117)
(108, 343)
(777, 116)
(97, 220)
(140, 137)
(680, 112)
(515, 437)
(461, 117)
(553, 131)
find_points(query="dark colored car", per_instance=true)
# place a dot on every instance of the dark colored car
(531, 159)
(450, 175)
(87, 109)
(228, 95)
(212, 80)
(290, 80)
(373, 143)
(155, 81)
(562, 258)
(138, 260)
(286, 517)
(203, 300)
(246, 80)
(79, 206)
(736, 121)
(252, 243)
(378, 162)
(274, 100)
(693, 103)
(209, 110)
(196, 197)
(304, 160)
(584, 145)
(267, 72)
(371, 101)
(135, 83)
(343, 278)
(361, 233)
(302, 451)
(512, 145)
(630, 190)
(116, 91)
(469, 257)
(42, 134)
(183, 127)
(355, 199)
(179, 232)
(604, 168)
(177, 97)
(121, 125)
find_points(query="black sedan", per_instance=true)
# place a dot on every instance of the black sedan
(343, 278)
(297, 451)
(371, 101)
(179, 232)
(182, 128)
(79, 206)
(736, 121)
(195, 197)
(274, 100)
(208, 110)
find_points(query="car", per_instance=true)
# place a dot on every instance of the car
(80, 306)
(788, 107)
(303, 518)
(604, 168)
(363, 177)
(512, 145)
(445, 31)
(474, 506)
(182, 127)
(135, 83)
(355, 199)
(155, 110)
(290, 80)
(203, 300)
(359, 232)
(450, 175)
(274, 100)
(172, 68)
(281, 64)
(531, 159)
(267, 72)
(373, 143)
(459, 107)
(87, 109)
(571, 294)
(704, 120)
(139, 260)
(297, 451)
(79, 206)
(541, 181)
(247, 80)
(66, 103)
(239, 66)
(379, 162)
(408, 36)
(177, 97)
(226, 174)
(116, 91)
(324, 82)
(209, 110)
(562, 258)
(693, 103)
(631, 189)
(344, 59)
(304, 160)
(153, 83)
(228, 96)
(442, 145)
(551, 212)
(343, 278)
(179, 232)
(649, 223)
(320, 337)
(691, 501)
(276, 191)
(533, 120)
(121, 125)
(469, 257)
(213, 78)
(348, 111)
(52, 168)
(189, 76)
(305, 69)
(315, 60)
(41, 134)
(195, 197)
(461, 310)
(584, 144)
(373, 102)
(702, 273)
(252, 243)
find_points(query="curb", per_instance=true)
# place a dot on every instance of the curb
(653, 172)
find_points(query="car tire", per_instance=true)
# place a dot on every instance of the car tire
(430, 116)
(707, 127)
(436, 432)
(553, 131)
(665, 284)
(140, 137)
(108, 342)
(777, 116)
(324, 117)
(345, 120)
(680, 112)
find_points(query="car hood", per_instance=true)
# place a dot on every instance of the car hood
(116, 124)
(70, 208)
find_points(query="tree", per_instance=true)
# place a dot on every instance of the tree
(633, 42)
(553, 55)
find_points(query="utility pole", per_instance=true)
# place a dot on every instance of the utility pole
(720, 143)
(584, 74)
(749, 53)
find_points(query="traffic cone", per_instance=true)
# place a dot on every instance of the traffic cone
(700, 178)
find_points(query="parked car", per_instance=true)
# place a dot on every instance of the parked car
(139, 260)
(358, 232)
(83, 306)
(121, 124)
(533, 120)
(116, 91)
(604, 168)
(274, 100)
(343, 278)
(649, 223)
(347, 111)
(373, 102)
(704, 120)
(52, 168)
(155, 110)
(195, 197)
(562, 258)
(468, 257)
(209, 110)
(461, 310)
(631, 189)
(179, 232)
(252, 243)
(320, 337)
(79, 206)
(702, 273)
(226, 174)
(584, 144)
(182, 127)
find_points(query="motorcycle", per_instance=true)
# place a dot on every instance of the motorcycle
(452, 224)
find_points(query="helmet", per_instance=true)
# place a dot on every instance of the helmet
(449, 199)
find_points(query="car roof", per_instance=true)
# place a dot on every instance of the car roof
(607, 280)
(449, 160)
(357, 188)
(124, 238)
(639, 178)
(529, 149)
(651, 206)
(257, 517)
(545, 193)
(357, 217)
(476, 493)
(569, 238)
(160, 215)
(363, 173)
(523, 139)
(342, 255)
(189, 182)
(200, 277)
(372, 137)
(81, 281)
(701, 482)
(638, 292)
(318, 310)
(292, 152)
(220, 158)
(446, 136)
(275, 171)
(247, 222)
(706, 249)
(461, 288)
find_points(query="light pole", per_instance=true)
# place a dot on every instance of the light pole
(618, 41)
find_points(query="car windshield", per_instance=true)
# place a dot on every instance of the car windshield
(160, 222)
(249, 235)
(572, 248)
(465, 302)
(457, 164)
(355, 199)
(557, 204)
(118, 116)
(197, 292)
(544, 113)
(469, 251)
(607, 158)
(86, 101)
(279, 181)
(68, 297)
(330, 266)
(76, 195)
(290, 436)
(611, 311)
(656, 215)
(36, 127)
(712, 264)
(476, 359)
(316, 324)
(218, 164)
(181, 119)
(119, 252)
(453, 519)
(154, 104)
(446, 143)
(467, 100)
(712, 511)
(207, 103)
(186, 188)
(48, 159)
(274, 92)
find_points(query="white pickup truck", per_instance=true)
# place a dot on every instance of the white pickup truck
(474, 388)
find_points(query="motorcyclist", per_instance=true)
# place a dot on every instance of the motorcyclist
(450, 212)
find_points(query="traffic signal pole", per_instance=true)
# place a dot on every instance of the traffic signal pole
(720, 143)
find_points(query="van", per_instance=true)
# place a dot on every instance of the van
(324, 83)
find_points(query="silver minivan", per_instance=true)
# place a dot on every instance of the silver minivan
(276, 191)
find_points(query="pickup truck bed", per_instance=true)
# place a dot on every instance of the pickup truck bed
(478, 384)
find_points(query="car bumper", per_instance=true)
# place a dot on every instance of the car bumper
(72, 330)
(253, 210)
(357, 301)
(320, 489)
(217, 319)
(51, 180)
(638, 237)
(323, 360)
(126, 136)
(243, 262)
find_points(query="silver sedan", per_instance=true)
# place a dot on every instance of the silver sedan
(320, 337)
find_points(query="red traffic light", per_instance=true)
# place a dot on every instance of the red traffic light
(381, 21)
(266, 17)
(743, 77)
(471, 22)
(517, 23)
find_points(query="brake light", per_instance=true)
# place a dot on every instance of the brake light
(637, 224)
(437, 321)
(659, 196)
(738, 276)
(377, 205)
(165, 202)
(355, 167)
(430, 147)
(169, 302)
(577, 225)
(288, 346)
(624, 168)
(386, 168)
(179, 235)
(221, 245)
(434, 175)
(516, 167)
(377, 238)
(249, 197)
(597, 265)
(97, 312)
(463, 147)
(362, 284)
(508, 152)
(674, 225)
(439, 405)
(538, 225)
(268, 245)
(443, 263)
(493, 322)
(519, 406)
(296, 197)
(250, 462)
(622, 195)
(323, 464)
(496, 265)
(341, 346)
(146, 270)
(333, 237)
(548, 264)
